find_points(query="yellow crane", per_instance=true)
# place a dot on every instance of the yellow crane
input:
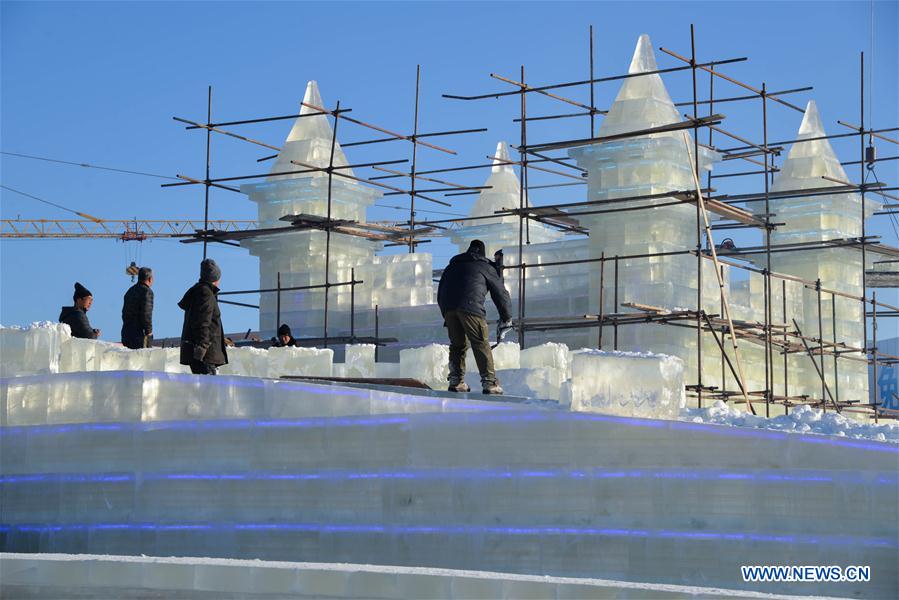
(126, 230)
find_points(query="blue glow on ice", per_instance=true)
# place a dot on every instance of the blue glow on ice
(469, 530)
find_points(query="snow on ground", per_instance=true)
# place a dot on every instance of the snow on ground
(802, 419)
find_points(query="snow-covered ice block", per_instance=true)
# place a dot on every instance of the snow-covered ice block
(505, 356)
(33, 349)
(544, 383)
(550, 354)
(359, 360)
(300, 361)
(115, 357)
(428, 364)
(387, 370)
(338, 370)
(78, 355)
(249, 362)
(628, 383)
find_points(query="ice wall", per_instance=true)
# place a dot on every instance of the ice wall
(649, 164)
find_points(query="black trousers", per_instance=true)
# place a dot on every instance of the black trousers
(198, 367)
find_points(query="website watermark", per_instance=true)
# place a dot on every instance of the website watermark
(805, 573)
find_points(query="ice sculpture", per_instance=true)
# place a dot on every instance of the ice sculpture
(300, 256)
(635, 166)
(811, 163)
(503, 193)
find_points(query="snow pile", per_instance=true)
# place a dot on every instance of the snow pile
(802, 419)
(33, 349)
(627, 383)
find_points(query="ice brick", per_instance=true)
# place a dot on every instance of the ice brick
(32, 350)
(359, 360)
(428, 364)
(80, 355)
(300, 361)
(250, 362)
(544, 383)
(505, 356)
(628, 383)
(550, 354)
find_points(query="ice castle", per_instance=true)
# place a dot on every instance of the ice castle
(402, 286)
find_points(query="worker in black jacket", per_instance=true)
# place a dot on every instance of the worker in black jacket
(202, 336)
(137, 312)
(285, 337)
(463, 288)
(76, 316)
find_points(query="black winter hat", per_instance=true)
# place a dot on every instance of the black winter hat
(477, 246)
(81, 292)
(284, 330)
(209, 271)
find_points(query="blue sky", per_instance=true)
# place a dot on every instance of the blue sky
(99, 83)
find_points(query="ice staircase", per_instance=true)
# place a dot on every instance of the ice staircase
(237, 467)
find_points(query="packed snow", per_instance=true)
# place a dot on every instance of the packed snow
(801, 419)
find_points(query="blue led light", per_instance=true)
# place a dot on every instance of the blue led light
(754, 476)
(468, 530)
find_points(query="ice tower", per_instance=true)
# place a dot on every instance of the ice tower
(402, 280)
(639, 166)
(503, 193)
(813, 219)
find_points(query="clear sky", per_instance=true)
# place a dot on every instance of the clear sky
(98, 83)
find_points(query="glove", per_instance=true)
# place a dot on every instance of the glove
(199, 353)
(504, 324)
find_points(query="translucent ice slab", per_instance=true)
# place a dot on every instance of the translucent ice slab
(359, 360)
(429, 364)
(627, 383)
(33, 349)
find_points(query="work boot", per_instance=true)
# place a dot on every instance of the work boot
(491, 388)
(459, 386)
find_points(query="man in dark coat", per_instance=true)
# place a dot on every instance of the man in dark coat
(137, 312)
(463, 288)
(76, 316)
(285, 338)
(202, 337)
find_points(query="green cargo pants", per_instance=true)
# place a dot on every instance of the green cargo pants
(467, 329)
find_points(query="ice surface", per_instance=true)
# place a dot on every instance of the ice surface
(33, 349)
(428, 364)
(628, 383)
(550, 354)
(541, 383)
(505, 356)
(300, 361)
(359, 360)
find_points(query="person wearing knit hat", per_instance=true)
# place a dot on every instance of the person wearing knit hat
(284, 338)
(202, 335)
(76, 316)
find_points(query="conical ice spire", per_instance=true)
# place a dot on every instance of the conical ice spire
(501, 159)
(504, 191)
(642, 102)
(309, 141)
(810, 161)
